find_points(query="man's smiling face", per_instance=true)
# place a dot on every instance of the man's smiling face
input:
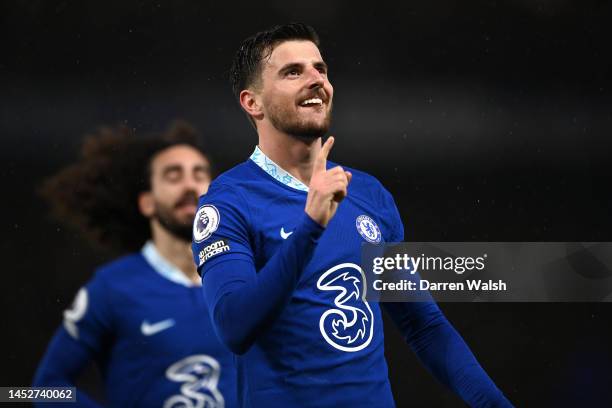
(295, 92)
(179, 175)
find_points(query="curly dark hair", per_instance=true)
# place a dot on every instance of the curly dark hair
(99, 193)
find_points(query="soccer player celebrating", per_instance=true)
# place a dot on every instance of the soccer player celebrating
(277, 241)
(142, 318)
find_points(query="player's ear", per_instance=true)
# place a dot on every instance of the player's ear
(146, 205)
(250, 102)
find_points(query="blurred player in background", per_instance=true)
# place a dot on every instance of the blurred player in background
(277, 240)
(142, 317)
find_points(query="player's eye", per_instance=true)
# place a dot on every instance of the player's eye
(292, 73)
(201, 174)
(173, 175)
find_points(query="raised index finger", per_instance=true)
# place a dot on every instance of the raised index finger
(321, 160)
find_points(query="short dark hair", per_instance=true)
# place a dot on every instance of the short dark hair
(99, 193)
(247, 65)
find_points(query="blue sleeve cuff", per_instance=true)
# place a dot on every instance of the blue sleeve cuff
(311, 228)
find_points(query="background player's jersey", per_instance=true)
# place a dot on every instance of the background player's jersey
(326, 348)
(151, 336)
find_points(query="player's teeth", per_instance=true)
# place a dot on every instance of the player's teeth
(313, 100)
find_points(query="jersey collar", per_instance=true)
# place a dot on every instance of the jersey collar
(276, 171)
(163, 267)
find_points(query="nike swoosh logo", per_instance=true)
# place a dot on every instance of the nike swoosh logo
(285, 235)
(150, 329)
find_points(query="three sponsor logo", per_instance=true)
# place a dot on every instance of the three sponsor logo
(199, 378)
(349, 324)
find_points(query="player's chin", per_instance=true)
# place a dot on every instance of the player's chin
(318, 126)
(310, 133)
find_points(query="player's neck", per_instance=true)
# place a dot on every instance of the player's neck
(291, 154)
(175, 251)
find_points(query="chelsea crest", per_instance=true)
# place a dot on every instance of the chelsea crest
(368, 229)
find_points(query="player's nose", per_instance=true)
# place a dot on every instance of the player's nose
(315, 78)
(190, 183)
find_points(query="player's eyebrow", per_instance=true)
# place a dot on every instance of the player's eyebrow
(202, 167)
(288, 67)
(320, 65)
(171, 168)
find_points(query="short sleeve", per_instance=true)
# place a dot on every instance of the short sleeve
(89, 318)
(220, 228)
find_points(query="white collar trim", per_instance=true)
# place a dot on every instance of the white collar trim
(162, 266)
(276, 171)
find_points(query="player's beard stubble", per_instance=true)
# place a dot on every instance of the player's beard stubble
(285, 118)
(181, 229)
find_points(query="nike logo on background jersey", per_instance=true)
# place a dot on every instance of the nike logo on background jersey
(284, 234)
(150, 329)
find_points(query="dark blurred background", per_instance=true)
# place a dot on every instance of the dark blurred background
(488, 121)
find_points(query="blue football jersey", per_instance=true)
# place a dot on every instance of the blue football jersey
(151, 336)
(326, 348)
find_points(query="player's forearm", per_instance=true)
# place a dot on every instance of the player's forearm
(444, 353)
(62, 362)
(243, 301)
